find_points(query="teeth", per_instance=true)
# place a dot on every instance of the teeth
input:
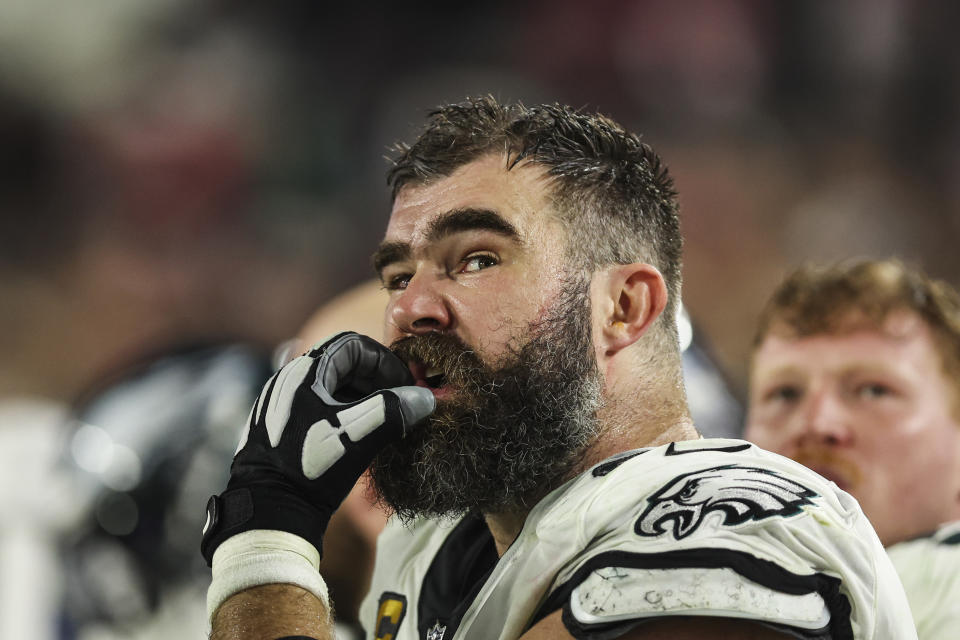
(433, 371)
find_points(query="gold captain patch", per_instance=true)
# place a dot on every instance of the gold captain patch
(390, 614)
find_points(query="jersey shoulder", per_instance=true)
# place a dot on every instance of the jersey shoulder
(700, 489)
(715, 527)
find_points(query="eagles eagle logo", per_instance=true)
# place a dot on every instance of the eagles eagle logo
(740, 493)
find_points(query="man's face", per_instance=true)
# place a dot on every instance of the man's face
(489, 315)
(477, 254)
(869, 409)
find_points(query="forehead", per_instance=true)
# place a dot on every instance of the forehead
(904, 342)
(521, 195)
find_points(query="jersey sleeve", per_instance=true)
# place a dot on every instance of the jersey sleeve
(720, 531)
(929, 568)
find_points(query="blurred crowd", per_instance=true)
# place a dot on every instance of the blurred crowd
(182, 184)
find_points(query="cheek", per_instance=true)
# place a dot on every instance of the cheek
(508, 300)
(940, 445)
(491, 320)
(912, 456)
(390, 331)
(899, 424)
(917, 485)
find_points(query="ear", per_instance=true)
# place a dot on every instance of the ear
(631, 298)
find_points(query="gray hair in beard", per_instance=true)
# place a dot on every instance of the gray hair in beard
(515, 429)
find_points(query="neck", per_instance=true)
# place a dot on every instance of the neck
(615, 436)
(627, 426)
(505, 527)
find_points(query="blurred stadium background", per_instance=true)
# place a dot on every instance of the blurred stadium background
(179, 174)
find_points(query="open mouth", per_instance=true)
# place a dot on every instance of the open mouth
(435, 378)
(427, 375)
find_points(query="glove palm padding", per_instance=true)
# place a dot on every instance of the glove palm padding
(315, 428)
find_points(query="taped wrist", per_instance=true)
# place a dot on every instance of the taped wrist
(259, 557)
(261, 507)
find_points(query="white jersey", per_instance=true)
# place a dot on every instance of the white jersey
(700, 528)
(930, 571)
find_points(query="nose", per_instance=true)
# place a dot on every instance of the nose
(421, 307)
(826, 421)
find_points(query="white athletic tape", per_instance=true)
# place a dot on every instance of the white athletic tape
(259, 557)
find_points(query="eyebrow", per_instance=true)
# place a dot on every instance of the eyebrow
(388, 253)
(445, 225)
(781, 371)
(460, 220)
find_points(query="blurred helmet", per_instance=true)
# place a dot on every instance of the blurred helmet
(146, 448)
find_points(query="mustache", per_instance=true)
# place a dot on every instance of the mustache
(817, 458)
(459, 362)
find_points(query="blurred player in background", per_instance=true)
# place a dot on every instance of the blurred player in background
(141, 449)
(856, 374)
(148, 442)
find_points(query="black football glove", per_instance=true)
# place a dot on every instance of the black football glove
(315, 428)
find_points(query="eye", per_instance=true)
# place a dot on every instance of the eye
(873, 391)
(396, 282)
(478, 262)
(784, 393)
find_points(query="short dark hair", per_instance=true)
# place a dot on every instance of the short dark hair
(612, 191)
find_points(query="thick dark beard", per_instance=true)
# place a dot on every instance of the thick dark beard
(513, 431)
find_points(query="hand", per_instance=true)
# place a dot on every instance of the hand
(315, 428)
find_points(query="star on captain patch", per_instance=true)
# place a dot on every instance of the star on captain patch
(436, 631)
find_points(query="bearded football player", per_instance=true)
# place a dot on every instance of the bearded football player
(529, 429)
